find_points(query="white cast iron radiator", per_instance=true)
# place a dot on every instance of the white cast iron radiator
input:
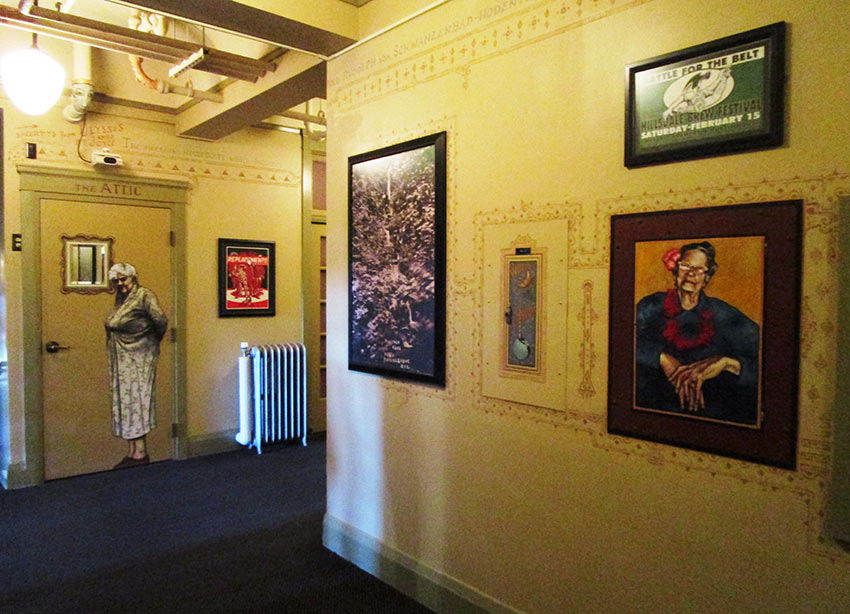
(272, 394)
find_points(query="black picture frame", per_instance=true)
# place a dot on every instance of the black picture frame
(397, 260)
(246, 278)
(641, 398)
(720, 97)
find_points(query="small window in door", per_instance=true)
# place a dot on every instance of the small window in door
(85, 264)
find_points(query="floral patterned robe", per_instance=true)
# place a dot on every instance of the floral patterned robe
(133, 332)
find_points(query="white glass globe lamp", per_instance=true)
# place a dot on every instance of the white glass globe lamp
(32, 79)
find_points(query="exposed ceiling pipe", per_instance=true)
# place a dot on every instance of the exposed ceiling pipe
(155, 24)
(304, 117)
(146, 22)
(307, 119)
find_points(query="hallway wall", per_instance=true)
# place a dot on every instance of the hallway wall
(515, 504)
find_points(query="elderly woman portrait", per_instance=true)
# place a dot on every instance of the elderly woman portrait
(134, 328)
(695, 354)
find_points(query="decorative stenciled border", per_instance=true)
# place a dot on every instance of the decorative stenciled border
(460, 42)
(140, 154)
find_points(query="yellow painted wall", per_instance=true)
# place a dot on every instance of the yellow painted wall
(246, 186)
(331, 15)
(539, 509)
(378, 14)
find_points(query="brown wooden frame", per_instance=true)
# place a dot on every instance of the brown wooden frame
(774, 441)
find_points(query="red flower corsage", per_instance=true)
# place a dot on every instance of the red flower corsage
(671, 257)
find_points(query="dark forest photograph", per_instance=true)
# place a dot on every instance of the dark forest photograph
(397, 260)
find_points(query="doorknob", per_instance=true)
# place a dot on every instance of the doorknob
(53, 346)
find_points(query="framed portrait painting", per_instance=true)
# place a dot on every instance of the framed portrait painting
(704, 321)
(397, 260)
(246, 278)
(720, 97)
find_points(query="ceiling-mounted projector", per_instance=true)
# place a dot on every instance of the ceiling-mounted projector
(106, 158)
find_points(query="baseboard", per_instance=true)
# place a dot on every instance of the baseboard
(212, 443)
(433, 589)
(17, 476)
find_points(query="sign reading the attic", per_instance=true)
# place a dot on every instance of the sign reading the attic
(110, 188)
(719, 97)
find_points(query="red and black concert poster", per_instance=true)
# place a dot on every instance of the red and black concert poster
(246, 278)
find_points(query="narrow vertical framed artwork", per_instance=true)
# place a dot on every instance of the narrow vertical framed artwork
(246, 278)
(397, 260)
(522, 280)
(704, 329)
(724, 96)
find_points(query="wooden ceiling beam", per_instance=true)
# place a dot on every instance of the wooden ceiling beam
(298, 78)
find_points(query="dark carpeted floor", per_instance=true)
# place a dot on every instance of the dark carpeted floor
(234, 532)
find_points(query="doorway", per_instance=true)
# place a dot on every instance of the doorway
(80, 240)
(74, 225)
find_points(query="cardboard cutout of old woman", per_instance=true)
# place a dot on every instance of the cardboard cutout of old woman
(134, 329)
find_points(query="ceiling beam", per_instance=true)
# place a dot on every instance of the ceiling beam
(249, 21)
(298, 78)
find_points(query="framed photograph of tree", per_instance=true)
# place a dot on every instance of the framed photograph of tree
(704, 329)
(397, 260)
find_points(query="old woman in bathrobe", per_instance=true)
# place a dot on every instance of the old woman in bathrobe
(134, 329)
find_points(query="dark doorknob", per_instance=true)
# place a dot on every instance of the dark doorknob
(53, 346)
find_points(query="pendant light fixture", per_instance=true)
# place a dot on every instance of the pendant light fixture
(32, 79)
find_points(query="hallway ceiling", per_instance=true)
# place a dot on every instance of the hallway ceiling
(263, 58)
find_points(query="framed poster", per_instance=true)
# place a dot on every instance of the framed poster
(704, 329)
(397, 260)
(719, 97)
(521, 340)
(246, 272)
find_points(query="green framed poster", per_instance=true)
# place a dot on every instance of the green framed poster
(720, 97)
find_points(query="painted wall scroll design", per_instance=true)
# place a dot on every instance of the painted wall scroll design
(587, 316)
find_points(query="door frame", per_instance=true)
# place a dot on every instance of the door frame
(317, 407)
(43, 181)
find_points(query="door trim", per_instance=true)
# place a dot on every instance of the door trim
(43, 181)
